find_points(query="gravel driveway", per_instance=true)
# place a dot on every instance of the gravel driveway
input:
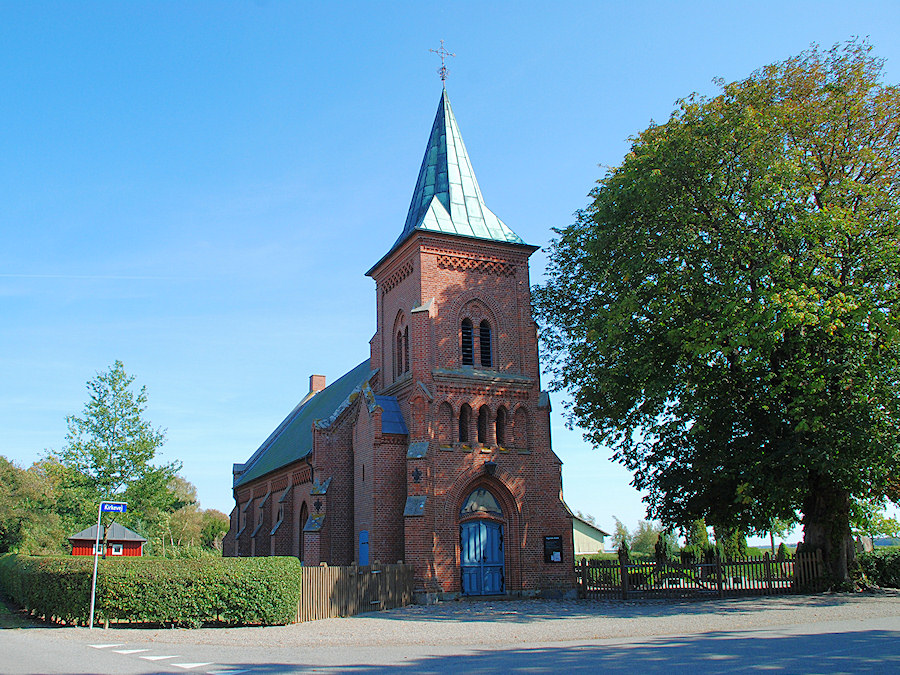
(508, 622)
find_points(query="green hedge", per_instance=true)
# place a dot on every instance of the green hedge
(236, 591)
(881, 567)
(53, 587)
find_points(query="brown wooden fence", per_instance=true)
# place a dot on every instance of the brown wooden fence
(328, 592)
(610, 579)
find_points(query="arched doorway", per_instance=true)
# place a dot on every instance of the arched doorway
(481, 558)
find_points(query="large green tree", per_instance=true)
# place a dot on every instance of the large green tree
(29, 523)
(110, 450)
(726, 310)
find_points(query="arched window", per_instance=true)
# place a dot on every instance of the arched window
(406, 349)
(468, 348)
(500, 426)
(480, 501)
(398, 355)
(484, 343)
(484, 415)
(465, 414)
(304, 516)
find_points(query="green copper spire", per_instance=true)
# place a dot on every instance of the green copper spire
(447, 197)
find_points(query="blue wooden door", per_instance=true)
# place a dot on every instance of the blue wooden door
(481, 557)
(363, 548)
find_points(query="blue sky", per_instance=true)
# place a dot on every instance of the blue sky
(197, 188)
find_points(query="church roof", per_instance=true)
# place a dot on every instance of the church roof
(447, 197)
(292, 440)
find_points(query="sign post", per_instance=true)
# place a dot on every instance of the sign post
(115, 507)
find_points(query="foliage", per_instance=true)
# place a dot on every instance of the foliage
(881, 567)
(236, 591)
(213, 527)
(726, 311)
(587, 517)
(28, 523)
(697, 534)
(646, 536)
(110, 449)
(187, 531)
(52, 587)
(867, 517)
(621, 536)
(109, 454)
(731, 542)
(696, 538)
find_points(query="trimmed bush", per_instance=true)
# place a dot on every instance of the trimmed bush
(881, 567)
(236, 591)
(52, 587)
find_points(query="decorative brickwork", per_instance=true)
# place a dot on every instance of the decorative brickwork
(398, 276)
(450, 262)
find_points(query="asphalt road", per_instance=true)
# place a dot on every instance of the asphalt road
(500, 637)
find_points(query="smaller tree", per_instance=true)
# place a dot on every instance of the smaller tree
(621, 537)
(586, 517)
(215, 526)
(779, 527)
(648, 534)
(109, 451)
(696, 540)
(697, 535)
(731, 542)
(185, 523)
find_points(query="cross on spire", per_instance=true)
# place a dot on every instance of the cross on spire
(443, 53)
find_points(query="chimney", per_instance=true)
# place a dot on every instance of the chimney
(316, 383)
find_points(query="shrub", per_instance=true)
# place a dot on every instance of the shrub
(881, 567)
(782, 552)
(154, 590)
(51, 587)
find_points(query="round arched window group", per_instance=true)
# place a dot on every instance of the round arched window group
(482, 426)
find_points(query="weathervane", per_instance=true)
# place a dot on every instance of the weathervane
(443, 53)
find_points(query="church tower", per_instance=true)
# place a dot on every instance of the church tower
(456, 346)
(435, 450)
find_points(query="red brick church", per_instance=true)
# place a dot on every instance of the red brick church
(436, 450)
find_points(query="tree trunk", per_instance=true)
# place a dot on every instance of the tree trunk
(826, 527)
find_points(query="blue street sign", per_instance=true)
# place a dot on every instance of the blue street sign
(118, 507)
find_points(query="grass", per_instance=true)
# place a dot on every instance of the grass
(10, 618)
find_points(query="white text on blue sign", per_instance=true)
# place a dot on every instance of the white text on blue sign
(118, 507)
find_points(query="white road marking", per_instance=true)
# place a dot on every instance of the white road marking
(120, 644)
(159, 658)
(188, 666)
(130, 651)
(225, 672)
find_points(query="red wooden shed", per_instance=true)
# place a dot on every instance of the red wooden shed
(119, 540)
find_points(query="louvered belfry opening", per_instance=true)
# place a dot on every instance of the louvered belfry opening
(484, 342)
(468, 348)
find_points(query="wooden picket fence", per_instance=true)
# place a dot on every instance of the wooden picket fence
(327, 592)
(766, 575)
